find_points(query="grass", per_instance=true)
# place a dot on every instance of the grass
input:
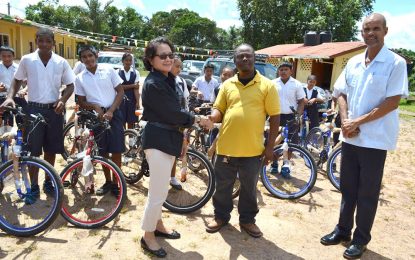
(404, 105)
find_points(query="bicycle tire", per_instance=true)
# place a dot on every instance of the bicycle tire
(132, 157)
(333, 167)
(315, 139)
(280, 186)
(41, 203)
(95, 205)
(68, 127)
(177, 200)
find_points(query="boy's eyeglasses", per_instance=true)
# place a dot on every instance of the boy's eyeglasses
(164, 56)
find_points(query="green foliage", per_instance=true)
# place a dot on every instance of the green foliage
(182, 26)
(411, 56)
(270, 22)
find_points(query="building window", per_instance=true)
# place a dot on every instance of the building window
(306, 65)
(4, 40)
(61, 50)
(68, 53)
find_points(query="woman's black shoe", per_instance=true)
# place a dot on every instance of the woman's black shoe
(172, 235)
(161, 253)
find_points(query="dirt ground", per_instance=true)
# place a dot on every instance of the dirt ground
(292, 229)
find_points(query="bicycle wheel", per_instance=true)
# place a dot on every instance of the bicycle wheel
(333, 167)
(198, 187)
(314, 141)
(18, 216)
(132, 157)
(68, 139)
(297, 181)
(81, 206)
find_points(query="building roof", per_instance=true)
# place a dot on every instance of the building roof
(327, 50)
(21, 21)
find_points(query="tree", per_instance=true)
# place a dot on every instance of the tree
(96, 14)
(411, 73)
(270, 22)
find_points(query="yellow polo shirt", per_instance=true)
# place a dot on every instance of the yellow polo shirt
(244, 110)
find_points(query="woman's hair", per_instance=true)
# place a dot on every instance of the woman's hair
(126, 55)
(151, 50)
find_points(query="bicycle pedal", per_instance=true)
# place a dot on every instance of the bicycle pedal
(66, 184)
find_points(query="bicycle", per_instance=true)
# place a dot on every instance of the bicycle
(23, 212)
(318, 141)
(81, 206)
(198, 187)
(298, 173)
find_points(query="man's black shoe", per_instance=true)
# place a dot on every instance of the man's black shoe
(354, 251)
(333, 239)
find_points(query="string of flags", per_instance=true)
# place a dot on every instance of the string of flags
(111, 40)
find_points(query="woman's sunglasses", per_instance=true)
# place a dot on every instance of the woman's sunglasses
(164, 56)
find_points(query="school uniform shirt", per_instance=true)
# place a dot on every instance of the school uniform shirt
(206, 88)
(185, 91)
(78, 68)
(128, 75)
(368, 87)
(310, 93)
(98, 88)
(289, 93)
(44, 82)
(6, 76)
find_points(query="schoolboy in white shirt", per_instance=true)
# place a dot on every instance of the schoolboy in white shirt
(99, 88)
(45, 72)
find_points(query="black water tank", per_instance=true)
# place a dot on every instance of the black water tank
(325, 36)
(311, 38)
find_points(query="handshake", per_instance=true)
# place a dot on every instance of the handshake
(204, 121)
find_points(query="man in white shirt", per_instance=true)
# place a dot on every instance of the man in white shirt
(206, 84)
(291, 94)
(368, 92)
(45, 72)
(99, 88)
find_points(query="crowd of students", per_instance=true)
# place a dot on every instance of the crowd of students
(368, 92)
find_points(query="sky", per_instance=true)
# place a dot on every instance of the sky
(399, 14)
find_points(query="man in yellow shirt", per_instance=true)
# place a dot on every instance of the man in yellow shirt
(242, 106)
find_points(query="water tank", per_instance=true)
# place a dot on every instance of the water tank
(311, 38)
(325, 36)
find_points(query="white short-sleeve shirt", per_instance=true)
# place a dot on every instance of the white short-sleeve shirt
(78, 68)
(368, 87)
(207, 88)
(98, 88)
(6, 75)
(44, 82)
(128, 75)
(289, 93)
(310, 92)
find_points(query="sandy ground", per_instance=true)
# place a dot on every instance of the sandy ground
(292, 229)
